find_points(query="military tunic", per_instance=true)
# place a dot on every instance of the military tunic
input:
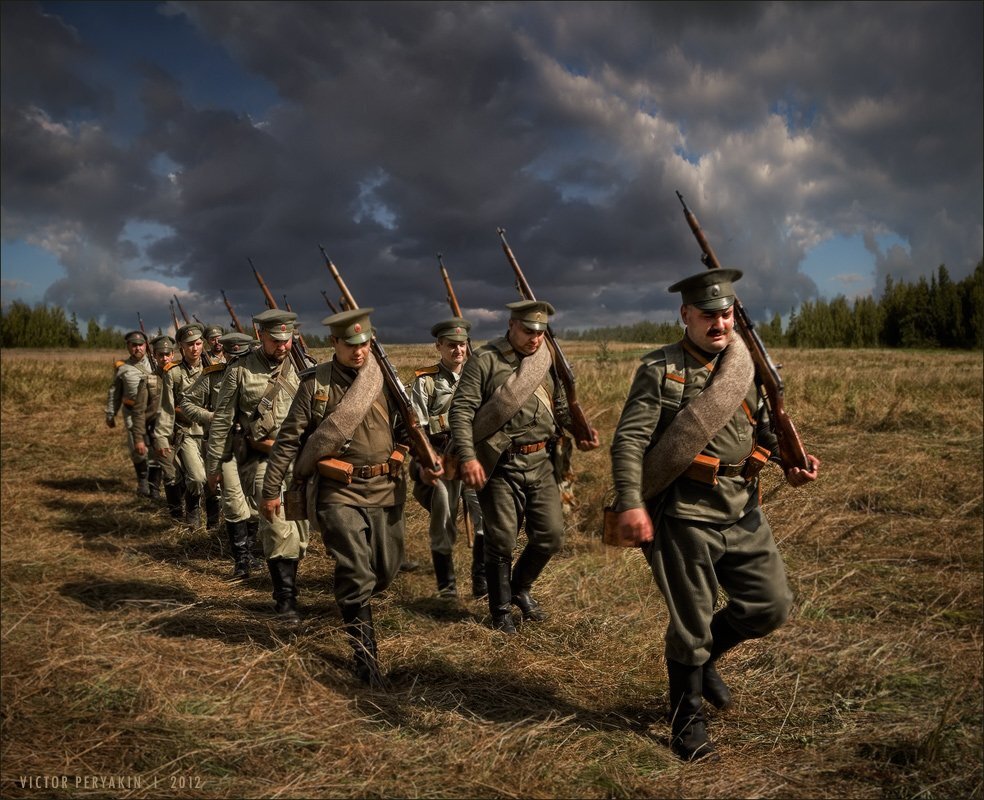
(361, 522)
(175, 430)
(706, 537)
(431, 394)
(123, 394)
(243, 387)
(146, 412)
(198, 404)
(520, 485)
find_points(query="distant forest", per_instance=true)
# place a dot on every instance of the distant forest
(934, 313)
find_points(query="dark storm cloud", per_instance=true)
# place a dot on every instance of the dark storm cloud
(406, 129)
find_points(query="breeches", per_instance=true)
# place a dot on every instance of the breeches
(692, 560)
(367, 544)
(236, 506)
(189, 456)
(281, 538)
(511, 498)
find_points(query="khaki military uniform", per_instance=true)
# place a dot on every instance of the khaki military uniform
(361, 522)
(522, 485)
(199, 403)
(145, 414)
(708, 537)
(127, 376)
(245, 388)
(431, 393)
(177, 431)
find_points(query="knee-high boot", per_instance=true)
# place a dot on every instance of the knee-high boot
(444, 572)
(173, 492)
(480, 584)
(359, 626)
(154, 477)
(689, 729)
(497, 574)
(528, 567)
(724, 637)
(212, 510)
(143, 485)
(239, 549)
(283, 571)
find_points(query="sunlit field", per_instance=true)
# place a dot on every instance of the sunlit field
(127, 657)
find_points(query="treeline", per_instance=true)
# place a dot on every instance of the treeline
(934, 313)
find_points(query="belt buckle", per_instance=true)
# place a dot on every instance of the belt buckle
(365, 471)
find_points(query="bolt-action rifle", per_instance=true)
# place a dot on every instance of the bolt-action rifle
(791, 449)
(581, 427)
(174, 319)
(232, 314)
(298, 353)
(419, 443)
(331, 305)
(452, 299)
(182, 311)
(143, 330)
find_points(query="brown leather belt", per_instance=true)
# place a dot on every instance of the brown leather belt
(370, 470)
(732, 470)
(526, 449)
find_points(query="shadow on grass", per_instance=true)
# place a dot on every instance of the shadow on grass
(102, 595)
(439, 610)
(89, 484)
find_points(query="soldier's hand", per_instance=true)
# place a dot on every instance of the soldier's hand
(270, 508)
(110, 421)
(163, 452)
(430, 476)
(472, 474)
(213, 482)
(140, 448)
(635, 525)
(799, 477)
(588, 444)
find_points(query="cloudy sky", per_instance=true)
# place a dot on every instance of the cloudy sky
(149, 149)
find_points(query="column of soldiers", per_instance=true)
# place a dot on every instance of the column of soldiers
(331, 443)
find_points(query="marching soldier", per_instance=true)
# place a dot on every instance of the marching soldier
(702, 528)
(254, 398)
(431, 393)
(343, 423)
(214, 346)
(123, 394)
(176, 428)
(238, 509)
(145, 412)
(505, 418)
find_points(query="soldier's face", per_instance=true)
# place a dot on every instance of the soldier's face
(192, 351)
(453, 354)
(163, 359)
(709, 330)
(137, 350)
(274, 349)
(524, 340)
(215, 344)
(348, 355)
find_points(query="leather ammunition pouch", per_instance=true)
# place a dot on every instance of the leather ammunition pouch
(295, 501)
(263, 446)
(335, 469)
(707, 469)
(609, 524)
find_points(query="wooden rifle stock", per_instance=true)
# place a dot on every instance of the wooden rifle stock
(452, 299)
(174, 319)
(419, 443)
(232, 314)
(331, 305)
(581, 427)
(184, 316)
(298, 353)
(791, 449)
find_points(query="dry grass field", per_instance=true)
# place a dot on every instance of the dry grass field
(130, 668)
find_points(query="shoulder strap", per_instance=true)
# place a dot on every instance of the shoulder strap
(431, 370)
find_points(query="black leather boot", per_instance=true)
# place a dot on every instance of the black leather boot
(689, 729)
(239, 548)
(255, 546)
(359, 626)
(497, 575)
(480, 584)
(154, 477)
(283, 571)
(211, 511)
(528, 567)
(192, 516)
(173, 493)
(143, 485)
(724, 637)
(444, 572)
